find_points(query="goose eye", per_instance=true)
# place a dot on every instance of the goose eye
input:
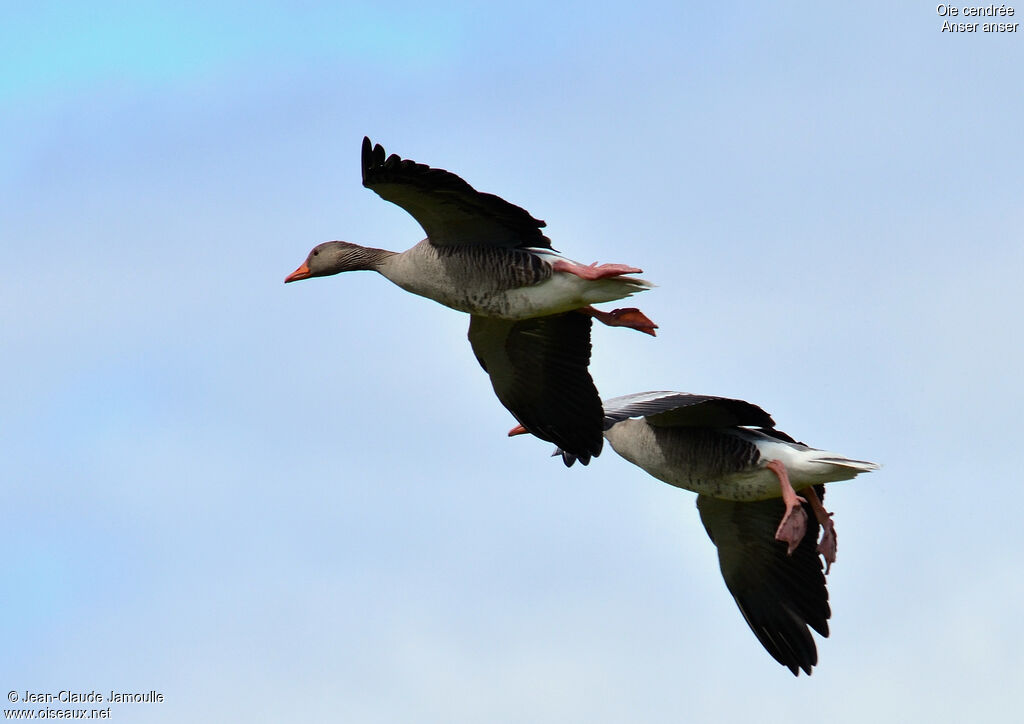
(316, 252)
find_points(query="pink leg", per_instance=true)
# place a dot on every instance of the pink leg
(593, 271)
(793, 526)
(827, 546)
(629, 317)
(517, 430)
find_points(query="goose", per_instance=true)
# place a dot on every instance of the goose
(747, 476)
(530, 308)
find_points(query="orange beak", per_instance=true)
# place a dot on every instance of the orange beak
(517, 430)
(301, 273)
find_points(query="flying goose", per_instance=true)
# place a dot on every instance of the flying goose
(530, 308)
(746, 475)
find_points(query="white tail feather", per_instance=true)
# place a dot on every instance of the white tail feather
(859, 465)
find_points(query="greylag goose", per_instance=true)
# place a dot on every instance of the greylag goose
(746, 475)
(530, 308)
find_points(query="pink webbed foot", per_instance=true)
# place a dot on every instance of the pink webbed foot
(594, 271)
(828, 544)
(793, 526)
(628, 317)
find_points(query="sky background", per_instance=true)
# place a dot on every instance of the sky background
(297, 503)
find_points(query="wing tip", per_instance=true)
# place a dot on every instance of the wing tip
(371, 157)
(366, 157)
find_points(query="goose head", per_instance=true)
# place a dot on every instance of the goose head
(334, 257)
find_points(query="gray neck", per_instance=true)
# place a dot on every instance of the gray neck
(368, 258)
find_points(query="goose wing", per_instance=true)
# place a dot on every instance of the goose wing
(451, 212)
(672, 409)
(538, 368)
(780, 596)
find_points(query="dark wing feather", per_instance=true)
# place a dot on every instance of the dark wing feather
(780, 596)
(780, 435)
(451, 212)
(538, 368)
(681, 409)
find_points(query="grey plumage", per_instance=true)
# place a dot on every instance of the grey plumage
(684, 409)
(488, 258)
(722, 449)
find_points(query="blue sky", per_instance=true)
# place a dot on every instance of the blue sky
(298, 503)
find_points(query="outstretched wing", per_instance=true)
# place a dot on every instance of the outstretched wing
(451, 212)
(538, 368)
(681, 409)
(780, 596)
